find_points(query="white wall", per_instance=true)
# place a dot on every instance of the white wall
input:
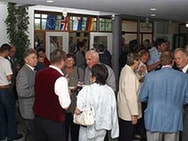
(3, 31)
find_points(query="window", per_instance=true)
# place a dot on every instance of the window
(131, 31)
(105, 24)
(50, 22)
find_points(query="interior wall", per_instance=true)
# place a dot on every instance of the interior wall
(166, 30)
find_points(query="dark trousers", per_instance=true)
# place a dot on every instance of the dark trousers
(71, 128)
(184, 134)
(8, 127)
(30, 131)
(126, 129)
(48, 130)
(140, 126)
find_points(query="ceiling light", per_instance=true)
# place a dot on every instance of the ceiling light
(186, 25)
(146, 24)
(49, 1)
(153, 15)
(113, 17)
(153, 9)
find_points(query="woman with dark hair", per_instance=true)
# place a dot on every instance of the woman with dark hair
(102, 100)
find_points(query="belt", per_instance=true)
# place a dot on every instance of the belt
(4, 86)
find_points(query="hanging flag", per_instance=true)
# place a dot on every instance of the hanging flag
(79, 23)
(51, 22)
(64, 23)
(75, 23)
(90, 24)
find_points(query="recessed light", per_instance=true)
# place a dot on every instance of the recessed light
(153, 15)
(153, 9)
(49, 1)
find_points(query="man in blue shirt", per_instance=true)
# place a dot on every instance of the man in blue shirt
(155, 53)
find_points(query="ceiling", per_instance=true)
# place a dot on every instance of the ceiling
(175, 10)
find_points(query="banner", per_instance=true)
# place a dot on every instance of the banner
(90, 24)
(77, 23)
(51, 22)
(64, 23)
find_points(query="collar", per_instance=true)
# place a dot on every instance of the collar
(32, 68)
(185, 68)
(56, 68)
(167, 66)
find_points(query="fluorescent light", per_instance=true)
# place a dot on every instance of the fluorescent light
(49, 1)
(153, 15)
(153, 9)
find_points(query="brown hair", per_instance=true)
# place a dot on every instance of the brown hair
(57, 56)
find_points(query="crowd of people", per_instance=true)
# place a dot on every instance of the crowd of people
(149, 102)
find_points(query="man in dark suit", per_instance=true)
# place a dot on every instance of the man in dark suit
(25, 82)
(13, 60)
(181, 60)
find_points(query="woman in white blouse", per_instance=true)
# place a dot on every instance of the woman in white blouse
(102, 99)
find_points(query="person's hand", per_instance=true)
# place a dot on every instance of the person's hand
(134, 119)
(67, 77)
(77, 111)
(142, 70)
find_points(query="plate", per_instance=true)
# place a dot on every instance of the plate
(71, 88)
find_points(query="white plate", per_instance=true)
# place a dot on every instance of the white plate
(71, 88)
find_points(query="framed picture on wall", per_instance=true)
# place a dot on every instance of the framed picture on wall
(105, 38)
(56, 40)
(39, 39)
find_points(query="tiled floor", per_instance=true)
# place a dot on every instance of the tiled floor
(21, 130)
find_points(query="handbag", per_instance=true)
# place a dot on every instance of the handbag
(86, 117)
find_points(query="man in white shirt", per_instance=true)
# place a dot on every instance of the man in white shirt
(8, 127)
(52, 99)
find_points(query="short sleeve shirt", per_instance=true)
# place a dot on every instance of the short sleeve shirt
(5, 70)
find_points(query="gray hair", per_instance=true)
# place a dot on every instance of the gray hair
(93, 53)
(182, 50)
(29, 51)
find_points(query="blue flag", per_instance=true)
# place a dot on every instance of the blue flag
(51, 22)
(79, 24)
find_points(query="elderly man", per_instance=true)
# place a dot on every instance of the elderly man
(92, 58)
(165, 90)
(25, 81)
(181, 60)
